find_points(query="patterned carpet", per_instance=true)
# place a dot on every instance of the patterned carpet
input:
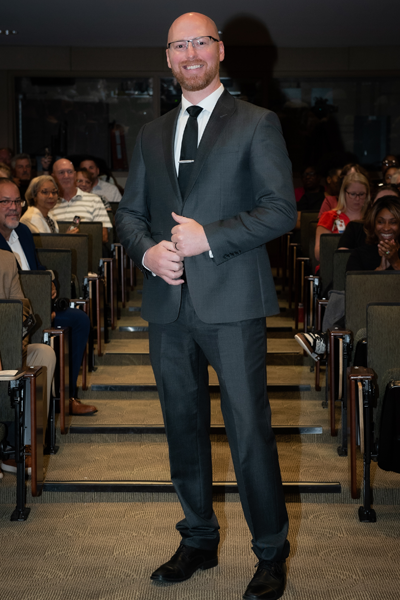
(108, 551)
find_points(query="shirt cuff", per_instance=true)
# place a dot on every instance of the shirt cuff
(147, 269)
(210, 254)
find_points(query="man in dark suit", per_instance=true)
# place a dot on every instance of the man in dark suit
(196, 220)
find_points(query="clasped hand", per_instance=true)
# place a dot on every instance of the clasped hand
(165, 259)
(388, 251)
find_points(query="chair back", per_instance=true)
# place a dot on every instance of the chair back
(340, 259)
(328, 245)
(36, 286)
(311, 245)
(11, 315)
(364, 287)
(383, 327)
(60, 262)
(79, 246)
(306, 218)
(94, 231)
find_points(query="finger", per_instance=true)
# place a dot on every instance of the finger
(169, 246)
(179, 218)
(173, 281)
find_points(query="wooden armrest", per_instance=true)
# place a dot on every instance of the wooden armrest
(355, 374)
(38, 408)
(358, 373)
(333, 333)
(64, 398)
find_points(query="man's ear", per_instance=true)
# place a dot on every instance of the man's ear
(167, 53)
(221, 51)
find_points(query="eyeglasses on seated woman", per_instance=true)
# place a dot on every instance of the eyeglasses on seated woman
(42, 196)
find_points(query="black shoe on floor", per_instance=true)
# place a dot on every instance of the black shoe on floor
(186, 561)
(268, 582)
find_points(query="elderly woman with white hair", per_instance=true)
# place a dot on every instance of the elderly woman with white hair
(42, 196)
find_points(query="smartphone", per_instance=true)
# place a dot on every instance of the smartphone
(75, 223)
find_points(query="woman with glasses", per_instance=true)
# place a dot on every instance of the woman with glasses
(42, 196)
(354, 197)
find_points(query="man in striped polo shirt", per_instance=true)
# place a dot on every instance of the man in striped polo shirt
(73, 201)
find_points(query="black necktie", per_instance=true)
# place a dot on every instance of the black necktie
(189, 147)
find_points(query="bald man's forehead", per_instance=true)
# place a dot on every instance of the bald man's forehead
(185, 25)
(63, 163)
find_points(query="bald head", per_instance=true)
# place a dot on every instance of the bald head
(61, 164)
(179, 27)
(65, 176)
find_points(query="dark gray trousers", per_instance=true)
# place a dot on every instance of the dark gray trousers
(180, 353)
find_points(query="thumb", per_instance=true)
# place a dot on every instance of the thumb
(179, 218)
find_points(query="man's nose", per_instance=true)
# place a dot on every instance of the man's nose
(191, 49)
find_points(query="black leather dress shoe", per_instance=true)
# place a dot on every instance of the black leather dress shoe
(186, 561)
(268, 582)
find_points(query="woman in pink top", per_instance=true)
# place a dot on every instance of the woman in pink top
(354, 196)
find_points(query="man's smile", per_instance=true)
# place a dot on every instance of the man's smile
(191, 67)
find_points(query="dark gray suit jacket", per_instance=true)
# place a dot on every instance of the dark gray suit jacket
(241, 191)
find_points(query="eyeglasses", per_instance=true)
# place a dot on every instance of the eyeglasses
(353, 195)
(198, 43)
(7, 203)
(48, 193)
(387, 163)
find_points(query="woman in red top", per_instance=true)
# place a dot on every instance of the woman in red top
(354, 197)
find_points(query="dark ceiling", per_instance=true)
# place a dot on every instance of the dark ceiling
(128, 23)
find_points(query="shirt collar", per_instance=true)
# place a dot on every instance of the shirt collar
(77, 195)
(208, 103)
(13, 237)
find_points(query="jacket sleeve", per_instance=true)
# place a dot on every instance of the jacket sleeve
(275, 210)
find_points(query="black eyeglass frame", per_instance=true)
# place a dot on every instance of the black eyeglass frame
(192, 40)
(11, 202)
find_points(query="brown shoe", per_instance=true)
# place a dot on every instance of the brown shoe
(77, 408)
(10, 465)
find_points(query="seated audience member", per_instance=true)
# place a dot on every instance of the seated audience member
(73, 201)
(354, 234)
(379, 253)
(331, 202)
(381, 249)
(16, 237)
(395, 181)
(389, 162)
(5, 171)
(38, 355)
(84, 181)
(354, 193)
(42, 196)
(22, 165)
(332, 190)
(6, 155)
(100, 187)
(387, 179)
(314, 193)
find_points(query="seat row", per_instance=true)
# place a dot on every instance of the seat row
(362, 359)
(99, 283)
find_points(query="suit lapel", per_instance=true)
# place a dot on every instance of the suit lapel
(219, 119)
(168, 139)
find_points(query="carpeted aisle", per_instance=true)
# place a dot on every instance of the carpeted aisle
(107, 551)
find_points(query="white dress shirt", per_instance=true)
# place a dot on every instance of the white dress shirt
(208, 105)
(16, 248)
